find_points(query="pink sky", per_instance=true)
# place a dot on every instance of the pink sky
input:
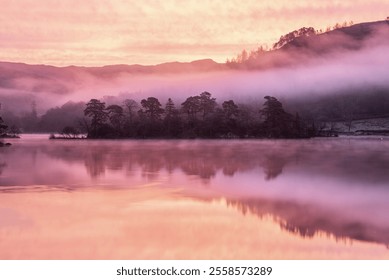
(101, 32)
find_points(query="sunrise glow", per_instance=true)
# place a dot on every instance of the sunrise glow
(95, 33)
(235, 131)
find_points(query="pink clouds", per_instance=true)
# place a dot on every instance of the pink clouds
(150, 32)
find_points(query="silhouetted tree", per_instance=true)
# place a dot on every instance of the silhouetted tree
(245, 59)
(204, 105)
(172, 121)
(285, 39)
(242, 57)
(170, 109)
(277, 123)
(207, 104)
(150, 124)
(152, 108)
(230, 112)
(116, 117)
(131, 122)
(96, 110)
(230, 109)
(191, 106)
(132, 107)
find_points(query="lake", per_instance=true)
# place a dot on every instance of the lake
(194, 199)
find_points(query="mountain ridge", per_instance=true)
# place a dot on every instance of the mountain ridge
(357, 32)
(22, 84)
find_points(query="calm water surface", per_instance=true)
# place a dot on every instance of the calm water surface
(254, 199)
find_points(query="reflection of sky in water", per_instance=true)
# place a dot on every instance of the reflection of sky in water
(309, 187)
(11, 218)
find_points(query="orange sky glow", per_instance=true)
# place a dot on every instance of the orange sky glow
(102, 32)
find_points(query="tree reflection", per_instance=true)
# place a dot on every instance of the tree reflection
(273, 166)
(95, 163)
(336, 162)
(309, 220)
(204, 161)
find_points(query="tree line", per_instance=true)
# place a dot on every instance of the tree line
(249, 57)
(198, 116)
(227, 120)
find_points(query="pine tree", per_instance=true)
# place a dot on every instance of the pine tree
(96, 110)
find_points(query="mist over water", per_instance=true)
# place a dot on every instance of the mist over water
(308, 187)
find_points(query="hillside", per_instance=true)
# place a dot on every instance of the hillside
(352, 38)
(51, 79)
(307, 73)
(46, 78)
(295, 48)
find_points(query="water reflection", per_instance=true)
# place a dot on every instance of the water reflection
(361, 160)
(339, 187)
(274, 165)
(2, 166)
(309, 220)
(12, 218)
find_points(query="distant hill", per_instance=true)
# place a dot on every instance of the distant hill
(51, 79)
(351, 37)
(203, 65)
(22, 85)
(302, 45)
(46, 78)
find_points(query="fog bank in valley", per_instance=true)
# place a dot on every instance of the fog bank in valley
(338, 64)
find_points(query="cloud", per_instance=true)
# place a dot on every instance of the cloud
(337, 64)
(112, 32)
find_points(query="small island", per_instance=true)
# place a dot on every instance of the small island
(198, 117)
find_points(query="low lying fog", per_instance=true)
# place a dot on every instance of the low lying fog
(333, 72)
